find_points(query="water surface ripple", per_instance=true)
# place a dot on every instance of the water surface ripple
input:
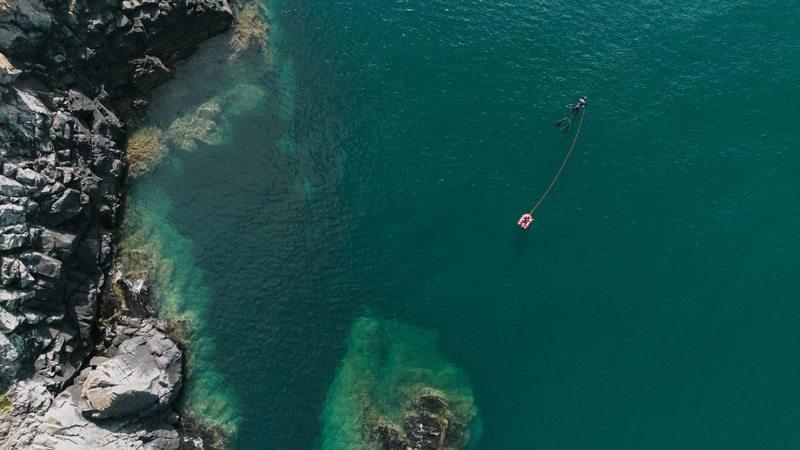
(652, 304)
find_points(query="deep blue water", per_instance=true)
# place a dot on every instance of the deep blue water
(652, 304)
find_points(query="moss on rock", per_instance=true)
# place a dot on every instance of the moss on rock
(5, 403)
(145, 150)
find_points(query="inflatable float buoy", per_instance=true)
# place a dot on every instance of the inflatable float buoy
(525, 221)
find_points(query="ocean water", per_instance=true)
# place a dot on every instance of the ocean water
(373, 159)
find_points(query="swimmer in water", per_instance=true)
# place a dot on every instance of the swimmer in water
(575, 109)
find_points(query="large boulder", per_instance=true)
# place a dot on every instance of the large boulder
(63, 427)
(141, 380)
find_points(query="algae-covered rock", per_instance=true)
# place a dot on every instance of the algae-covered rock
(5, 403)
(209, 122)
(250, 30)
(145, 151)
(206, 124)
(395, 391)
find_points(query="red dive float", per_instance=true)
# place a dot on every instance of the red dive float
(525, 221)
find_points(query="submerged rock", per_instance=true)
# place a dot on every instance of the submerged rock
(207, 124)
(394, 391)
(250, 30)
(154, 257)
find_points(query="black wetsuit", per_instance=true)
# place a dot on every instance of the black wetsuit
(575, 109)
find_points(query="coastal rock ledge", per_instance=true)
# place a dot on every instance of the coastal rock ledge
(66, 70)
(125, 398)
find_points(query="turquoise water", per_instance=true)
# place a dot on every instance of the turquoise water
(652, 304)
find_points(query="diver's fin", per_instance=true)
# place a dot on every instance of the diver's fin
(561, 121)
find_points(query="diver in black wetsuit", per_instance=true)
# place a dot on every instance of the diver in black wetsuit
(575, 109)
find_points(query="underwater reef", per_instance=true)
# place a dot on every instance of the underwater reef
(209, 123)
(394, 390)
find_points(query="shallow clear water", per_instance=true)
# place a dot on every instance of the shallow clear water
(652, 304)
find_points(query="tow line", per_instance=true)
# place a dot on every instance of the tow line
(526, 219)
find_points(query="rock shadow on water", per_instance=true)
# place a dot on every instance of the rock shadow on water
(394, 390)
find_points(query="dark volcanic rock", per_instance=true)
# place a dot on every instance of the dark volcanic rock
(65, 67)
(148, 73)
(47, 216)
(123, 47)
(428, 424)
(424, 432)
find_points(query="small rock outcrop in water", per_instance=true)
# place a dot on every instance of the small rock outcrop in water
(394, 391)
(65, 68)
(428, 423)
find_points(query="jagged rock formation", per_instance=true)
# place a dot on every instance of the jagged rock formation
(427, 424)
(131, 388)
(123, 47)
(65, 67)
(59, 176)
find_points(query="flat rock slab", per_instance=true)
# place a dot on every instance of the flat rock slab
(142, 379)
(64, 427)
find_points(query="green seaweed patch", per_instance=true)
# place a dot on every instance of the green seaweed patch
(145, 150)
(5, 403)
(250, 31)
(395, 390)
(207, 124)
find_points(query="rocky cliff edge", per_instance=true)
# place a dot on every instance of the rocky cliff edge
(66, 68)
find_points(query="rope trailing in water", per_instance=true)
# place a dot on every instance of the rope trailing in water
(562, 164)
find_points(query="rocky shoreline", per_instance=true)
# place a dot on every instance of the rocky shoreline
(70, 74)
